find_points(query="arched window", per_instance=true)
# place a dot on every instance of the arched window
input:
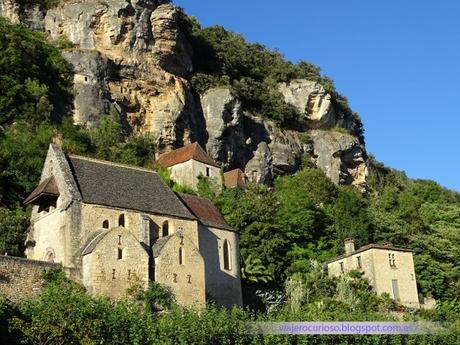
(165, 229)
(181, 256)
(121, 220)
(50, 256)
(226, 250)
(105, 224)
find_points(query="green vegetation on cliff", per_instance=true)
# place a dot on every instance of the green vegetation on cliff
(221, 57)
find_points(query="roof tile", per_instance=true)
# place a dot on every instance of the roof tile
(184, 154)
(205, 211)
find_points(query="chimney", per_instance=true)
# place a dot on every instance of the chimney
(349, 245)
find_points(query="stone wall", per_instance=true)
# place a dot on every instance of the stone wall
(183, 273)
(223, 286)
(21, 278)
(403, 272)
(117, 262)
(376, 267)
(187, 173)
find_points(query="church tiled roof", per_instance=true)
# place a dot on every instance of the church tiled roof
(205, 211)
(125, 187)
(184, 154)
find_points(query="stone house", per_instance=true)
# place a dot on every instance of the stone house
(187, 163)
(114, 226)
(235, 178)
(389, 269)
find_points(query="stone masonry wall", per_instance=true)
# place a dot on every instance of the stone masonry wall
(21, 278)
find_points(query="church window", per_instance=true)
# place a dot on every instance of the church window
(120, 254)
(181, 256)
(226, 254)
(105, 224)
(165, 229)
(208, 172)
(121, 220)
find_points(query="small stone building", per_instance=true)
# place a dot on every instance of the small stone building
(187, 163)
(389, 269)
(235, 178)
(115, 226)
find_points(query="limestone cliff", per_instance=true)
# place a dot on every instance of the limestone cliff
(132, 57)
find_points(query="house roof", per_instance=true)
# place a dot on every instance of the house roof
(205, 211)
(234, 178)
(47, 188)
(184, 154)
(368, 247)
(126, 187)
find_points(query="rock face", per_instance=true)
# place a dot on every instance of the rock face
(311, 100)
(127, 56)
(131, 57)
(341, 156)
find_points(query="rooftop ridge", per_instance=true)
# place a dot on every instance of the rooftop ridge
(115, 164)
(368, 247)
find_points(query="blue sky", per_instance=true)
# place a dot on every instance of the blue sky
(398, 62)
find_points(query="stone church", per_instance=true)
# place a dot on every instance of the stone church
(113, 226)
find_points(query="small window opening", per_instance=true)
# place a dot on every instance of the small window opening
(181, 256)
(342, 267)
(165, 229)
(391, 260)
(189, 279)
(120, 254)
(86, 78)
(358, 262)
(113, 273)
(105, 224)
(129, 274)
(174, 277)
(226, 255)
(119, 240)
(121, 220)
(208, 172)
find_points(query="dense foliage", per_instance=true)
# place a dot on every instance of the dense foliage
(222, 58)
(307, 217)
(65, 314)
(34, 78)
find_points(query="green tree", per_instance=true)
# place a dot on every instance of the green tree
(34, 78)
